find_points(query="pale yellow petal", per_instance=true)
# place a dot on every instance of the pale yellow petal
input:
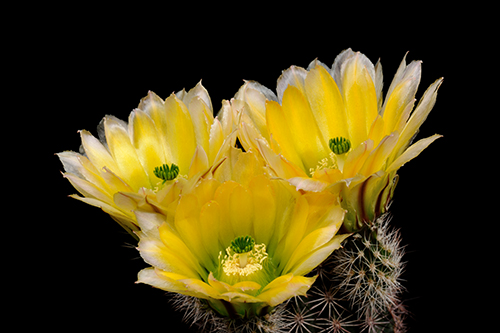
(126, 221)
(295, 229)
(210, 224)
(245, 286)
(245, 167)
(356, 159)
(71, 163)
(226, 118)
(418, 116)
(154, 107)
(114, 182)
(296, 286)
(151, 277)
(253, 95)
(176, 245)
(129, 166)
(200, 289)
(306, 136)
(222, 197)
(360, 98)
(291, 77)
(403, 94)
(238, 297)
(378, 156)
(327, 176)
(96, 152)
(377, 130)
(180, 133)
(326, 103)
(412, 152)
(241, 211)
(220, 286)
(215, 140)
(248, 136)
(312, 259)
(92, 174)
(280, 280)
(281, 133)
(154, 252)
(198, 93)
(88, 189)
(308, 184)
(279, 164)
(202, 121)
(263, 196)
(187, 224)
(199, 163)
(310, 243)
(148, 144)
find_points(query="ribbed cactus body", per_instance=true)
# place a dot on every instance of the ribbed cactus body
(357, 290)
(368, 271)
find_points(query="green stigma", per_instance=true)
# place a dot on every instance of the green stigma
(166, 173)
(242, 244)
(339, 145)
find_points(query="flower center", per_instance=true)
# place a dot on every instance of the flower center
(339, 145)
(243, 257)
(166, 173)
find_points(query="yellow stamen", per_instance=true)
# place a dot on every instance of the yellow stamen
(244, 264)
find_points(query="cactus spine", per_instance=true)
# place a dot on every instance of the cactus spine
(357, 290)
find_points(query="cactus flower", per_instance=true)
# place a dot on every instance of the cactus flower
(330, 129)
(240, 241)
(164, 144)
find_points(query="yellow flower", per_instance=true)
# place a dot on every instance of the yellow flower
(330, 129)
(239, 240)
(163, 146)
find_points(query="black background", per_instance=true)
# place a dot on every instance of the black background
(77, 67)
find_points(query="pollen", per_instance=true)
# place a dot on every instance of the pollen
(329, 162)
(244, 264)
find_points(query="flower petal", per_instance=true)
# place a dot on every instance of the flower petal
(176, 245)
(96, 152)
(378, 156)
(152, 277)
(199, 163)
(314, 258)
(88, 189)
(326, 103)
(180, 133)
(356, 159)
(200, 289)
(281, 133)
(147, 143)
(412, 152)
(294, 231)
(154, 107)
(418, 116)
(263, 197)
(308, 184)
(316, 239)
(124, 153)
(276, 293)
(360, 97)
(215, 140)
(202, 119)
(293, 76)
(279, 164)
(306, 136)
(403, 93)
(255, 96)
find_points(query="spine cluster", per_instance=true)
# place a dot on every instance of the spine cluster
(358, 290)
